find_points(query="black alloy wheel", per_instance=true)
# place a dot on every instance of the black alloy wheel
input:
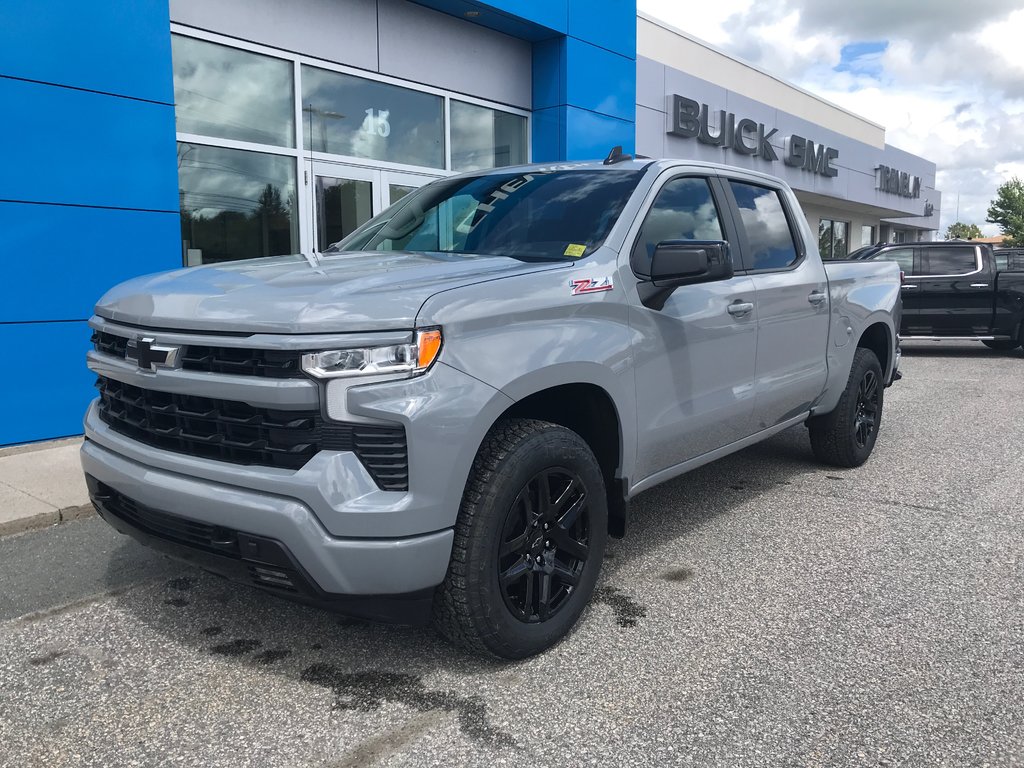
(867, 408)
(846, 435)
(529, 541)
(544, 545)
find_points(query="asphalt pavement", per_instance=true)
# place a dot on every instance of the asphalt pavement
(763, 611)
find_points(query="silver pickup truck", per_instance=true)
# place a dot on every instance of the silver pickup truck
(445, 415)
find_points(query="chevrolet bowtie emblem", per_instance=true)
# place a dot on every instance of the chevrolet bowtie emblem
(150, 356)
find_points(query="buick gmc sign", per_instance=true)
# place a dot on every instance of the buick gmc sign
(689, 119)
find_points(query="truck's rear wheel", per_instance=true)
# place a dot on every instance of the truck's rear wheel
(529, 541)
(845, 436)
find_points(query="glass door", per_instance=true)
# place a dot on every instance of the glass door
(343, 200)
(394, 185)
(346, 196)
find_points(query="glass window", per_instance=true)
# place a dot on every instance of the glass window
(343, 205)
(683, 210)
(486, 138)
(235, 204)
(347, 115)
(832, 240)
(948, 261)
(902, 256)
(533, 216)
(768, 234)
(867, 235)
(232, 94)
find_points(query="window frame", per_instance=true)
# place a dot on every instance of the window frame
(304, 155)
(717, 196)
(832, 237)
(979, 264)
(741, 231)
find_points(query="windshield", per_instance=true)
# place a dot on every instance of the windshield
(534, 216)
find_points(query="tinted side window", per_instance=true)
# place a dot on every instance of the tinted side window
(902, 256)
(683, 210)
(764, 219)
(948, 261)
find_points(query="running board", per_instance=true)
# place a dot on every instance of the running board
(955, 338)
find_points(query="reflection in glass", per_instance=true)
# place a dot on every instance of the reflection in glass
(347, 115)
(764, 219)
(235, 204)
(343, 205)
(232, 94)
(541, 215)
(486, 138)
(840, 243)
(683, 210)
(397, 191)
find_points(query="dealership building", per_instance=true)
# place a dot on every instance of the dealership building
(144, 135)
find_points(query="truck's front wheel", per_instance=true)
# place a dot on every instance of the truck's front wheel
(529, 541)
(845, 436)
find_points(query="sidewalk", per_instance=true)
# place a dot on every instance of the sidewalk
(41, 484)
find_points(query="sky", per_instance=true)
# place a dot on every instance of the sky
(944, 77)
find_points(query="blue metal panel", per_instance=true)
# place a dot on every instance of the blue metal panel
(60, 259)
(590, 136)
(548, 74)
(115, 46)
(51, 404)
(83, 148)
(549, 134)
(599, 80)
(610, 24)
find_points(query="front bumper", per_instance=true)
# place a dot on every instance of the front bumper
(333, 566)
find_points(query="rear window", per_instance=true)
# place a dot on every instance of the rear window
(769, 237)
(902, 256)
(948, 261)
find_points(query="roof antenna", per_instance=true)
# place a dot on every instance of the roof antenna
(616, 156)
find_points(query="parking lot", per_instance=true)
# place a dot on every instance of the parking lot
(763, 610)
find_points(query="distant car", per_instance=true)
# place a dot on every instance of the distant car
(957, 289)
(1009, 259)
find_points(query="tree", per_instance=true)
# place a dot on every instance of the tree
(961, 231)
(1007, 210)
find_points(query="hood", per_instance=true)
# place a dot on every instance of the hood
(334, 293)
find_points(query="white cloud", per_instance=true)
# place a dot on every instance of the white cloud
(949, 86)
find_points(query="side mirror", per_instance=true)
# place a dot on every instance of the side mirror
(685, 262)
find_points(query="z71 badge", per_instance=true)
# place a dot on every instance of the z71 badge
(590, 285)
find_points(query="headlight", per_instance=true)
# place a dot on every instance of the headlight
(411, 359)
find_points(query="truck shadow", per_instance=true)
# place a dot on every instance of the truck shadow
(366, 666)
(675, 509)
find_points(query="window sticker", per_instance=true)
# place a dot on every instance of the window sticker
(575, 250)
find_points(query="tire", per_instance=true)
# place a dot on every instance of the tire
(1001, 345)
(492, 598)
(846, 436)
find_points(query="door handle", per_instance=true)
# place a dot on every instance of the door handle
(907, 286)
(817, 297)
(740, 308)
(979, 285)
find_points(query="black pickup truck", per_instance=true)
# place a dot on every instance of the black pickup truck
(956, 290)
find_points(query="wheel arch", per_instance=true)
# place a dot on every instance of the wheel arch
(590, 411)
(878, 338)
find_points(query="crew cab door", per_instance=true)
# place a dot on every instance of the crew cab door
(694, 356)
(792, 303)
(954, 292)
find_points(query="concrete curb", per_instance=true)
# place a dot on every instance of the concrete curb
(46, 519)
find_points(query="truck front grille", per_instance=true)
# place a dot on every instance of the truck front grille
(235, 432)
(240, 361)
